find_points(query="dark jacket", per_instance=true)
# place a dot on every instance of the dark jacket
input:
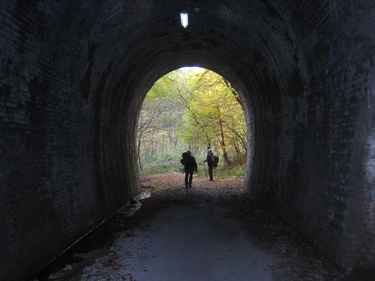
(192, 165)
(208, 159)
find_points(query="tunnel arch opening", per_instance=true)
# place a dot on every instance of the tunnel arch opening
(75, 76)
(191, 108)
(255, 95)
(140, 91)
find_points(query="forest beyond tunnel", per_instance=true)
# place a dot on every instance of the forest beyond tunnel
(74, 75)
(191, 109)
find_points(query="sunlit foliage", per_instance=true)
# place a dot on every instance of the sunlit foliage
(196, 109)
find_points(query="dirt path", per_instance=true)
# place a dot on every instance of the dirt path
(212, 231)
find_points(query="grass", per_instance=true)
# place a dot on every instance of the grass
(223, 173)
(162, 163)
(167, 162)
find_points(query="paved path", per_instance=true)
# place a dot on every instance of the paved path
(192, 242)
(212, 231)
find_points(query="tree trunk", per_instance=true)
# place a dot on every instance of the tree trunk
(139, 153)
(225, 154)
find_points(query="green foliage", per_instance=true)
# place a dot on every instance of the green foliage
(236, 172)
(213, 115)
(167, 162)
(161, 163)
(155, 168)
(164, 157)
(194, 108)
(222, 172)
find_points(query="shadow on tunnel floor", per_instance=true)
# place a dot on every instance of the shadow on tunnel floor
(297, 259)
(361, 274)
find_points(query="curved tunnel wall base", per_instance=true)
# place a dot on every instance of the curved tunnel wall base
(74, 75)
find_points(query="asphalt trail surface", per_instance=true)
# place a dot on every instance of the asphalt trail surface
(211, 231)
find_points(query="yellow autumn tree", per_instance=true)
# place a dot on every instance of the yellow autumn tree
(213, 115)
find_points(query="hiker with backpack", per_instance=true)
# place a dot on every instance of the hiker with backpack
(212, 161)
(188, 160)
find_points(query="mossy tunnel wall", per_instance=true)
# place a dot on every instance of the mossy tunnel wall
(74, 75)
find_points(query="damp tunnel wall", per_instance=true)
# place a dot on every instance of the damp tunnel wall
(74, 75)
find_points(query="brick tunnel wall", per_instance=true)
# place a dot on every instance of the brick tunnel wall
(65, 166)
(326, 176)
(74, 75)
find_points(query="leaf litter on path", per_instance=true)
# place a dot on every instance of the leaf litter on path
(297, 259)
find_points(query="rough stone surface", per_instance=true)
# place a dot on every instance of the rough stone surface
(74, 74)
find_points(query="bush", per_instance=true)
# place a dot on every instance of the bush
(162, 163)
(168, 161)
(221, 172)
(236, 172)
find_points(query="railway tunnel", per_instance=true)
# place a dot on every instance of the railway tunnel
(74, 75)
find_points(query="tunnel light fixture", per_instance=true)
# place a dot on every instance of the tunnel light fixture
(184, 19)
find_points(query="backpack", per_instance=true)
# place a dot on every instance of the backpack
(214, 160)
(185, 159)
